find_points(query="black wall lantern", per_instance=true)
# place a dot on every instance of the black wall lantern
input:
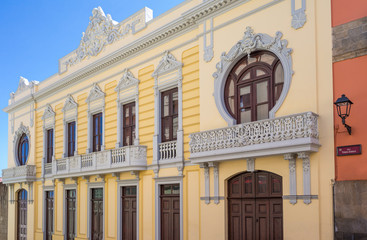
(343, 106)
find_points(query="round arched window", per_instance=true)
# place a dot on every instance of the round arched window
(23, 149)
(253, 87)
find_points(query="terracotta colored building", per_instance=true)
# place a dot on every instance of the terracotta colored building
(349, 21)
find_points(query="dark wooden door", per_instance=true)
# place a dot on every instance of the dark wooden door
(128, 209)
(22, 215)
(97, 214)
(255, 207)
(170, 212)
(70, 214)
(49, 214)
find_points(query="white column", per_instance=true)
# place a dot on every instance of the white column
(305, 156)
(179, 149)
(119, 123)
(156, 125)
(292, 177)
(89, 129)
(136, 140)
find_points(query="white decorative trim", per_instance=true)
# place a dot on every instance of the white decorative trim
(162, 181)
(12, 121)
(299, 17)
(291, 157)
(127, 91)
(305, 156)
(208, 50)
(96, 104)
(167, 75)
(89, 197)
(103, 31)
(18, 134)
(24, 85)
(120, 184)
(251, 42)
(70, 111)
(66, 188)
(48, 123)
(215, 166)
(206, 181)
(250, 164)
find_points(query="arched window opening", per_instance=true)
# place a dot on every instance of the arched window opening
(253, 87)
(23, 150)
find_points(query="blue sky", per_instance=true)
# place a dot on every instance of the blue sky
(34, 34)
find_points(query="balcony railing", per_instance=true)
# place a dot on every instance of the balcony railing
(127, 158)
(25, 173)
(293, 133)
(167, 150)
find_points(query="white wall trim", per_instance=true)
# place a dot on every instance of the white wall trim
(251, 42)
(92, 185)
(96, 104)
(120, 184)
(70, 111)
(48, 123)
(306, 165)
(158, 183)
(291, 157)
(299, 17)
(127, 91)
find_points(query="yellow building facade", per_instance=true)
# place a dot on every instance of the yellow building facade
(211, 121)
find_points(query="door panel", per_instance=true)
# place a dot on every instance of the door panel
(255, 207)
(170, 212)
(128, 200)
(22, 215)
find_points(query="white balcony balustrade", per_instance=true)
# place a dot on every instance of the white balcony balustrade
(25, 173)
(167, 150)
(129, 158)
(293, 133)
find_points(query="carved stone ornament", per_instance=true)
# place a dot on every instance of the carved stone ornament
(126, 81)
(167, 64)
(18, 134)
(24, 84)
(69, 103)
(49, 112)
(95, 93)
(252, 42)
(103, 30)
(298, 16)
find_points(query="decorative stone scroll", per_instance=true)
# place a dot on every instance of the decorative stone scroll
(298, 15)
(102, 31)
(252, 42)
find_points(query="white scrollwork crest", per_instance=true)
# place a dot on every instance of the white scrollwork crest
(166, 64)
(95, 93)
(69, 103)
(126, 81)
(252, 42)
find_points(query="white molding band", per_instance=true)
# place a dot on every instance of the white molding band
(299, 17)
(120, 184)
(291, 157)
(251, 42)
(306, 165)
(127, 91)
(96, 104)
(162, 181)
(70, 111)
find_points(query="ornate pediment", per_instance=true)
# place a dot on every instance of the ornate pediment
(103, 30)
(252, 42)
(95, 93)
(24, 84)
(69, 103)
(49, 112)
(167, 64)
(21, 130)
(126, 81)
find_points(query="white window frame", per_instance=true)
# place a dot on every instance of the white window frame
(168, 75)
(48, 123)
(92, 185)
(127, 92)
(126, 183)
(70, 111)
(252, 42)
(17, 135)
(66, 188)
(162, 181)
(47, 189)
(96, 104)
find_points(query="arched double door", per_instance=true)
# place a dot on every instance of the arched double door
(22, 215)
(255, 206)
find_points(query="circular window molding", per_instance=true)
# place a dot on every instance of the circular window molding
(250, 43)
(17, 136)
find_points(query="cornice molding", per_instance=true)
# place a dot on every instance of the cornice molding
(185, 21)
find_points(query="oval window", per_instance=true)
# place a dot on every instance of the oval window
(23, 150)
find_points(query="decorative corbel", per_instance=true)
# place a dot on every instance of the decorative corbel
(116, 175)
(215, 166)
(291, 157)
(305, 156)
(135, 173)
(250, 164)
(207, 182)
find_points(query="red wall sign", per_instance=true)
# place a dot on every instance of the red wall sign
(349, 150)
